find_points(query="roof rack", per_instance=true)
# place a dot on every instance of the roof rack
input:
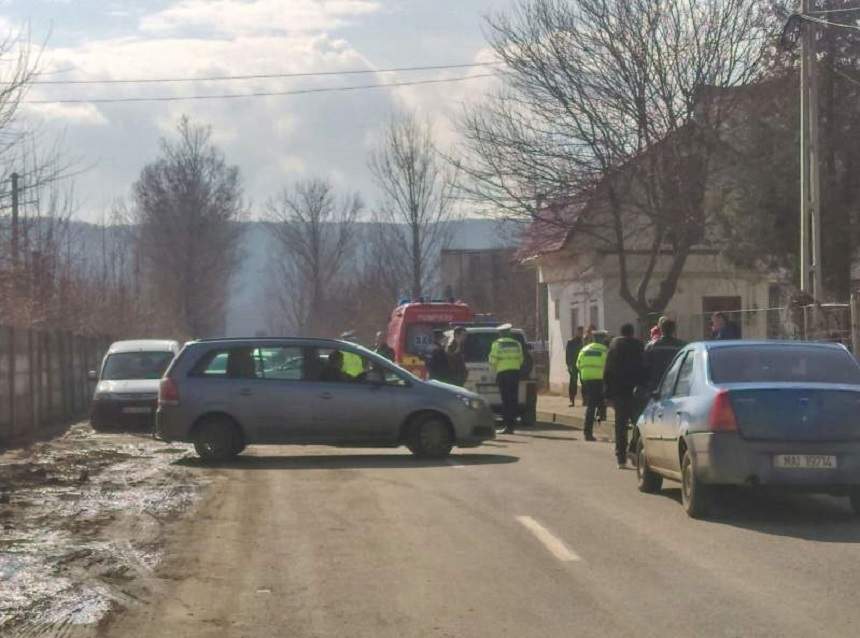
(272, 338)
(475, 324)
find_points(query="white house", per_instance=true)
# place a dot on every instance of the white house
(583, 287)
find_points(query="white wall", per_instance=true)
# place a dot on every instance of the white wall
(573, 282)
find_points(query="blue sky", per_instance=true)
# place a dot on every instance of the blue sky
(273, 140)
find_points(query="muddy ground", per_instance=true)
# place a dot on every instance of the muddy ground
(83, 519)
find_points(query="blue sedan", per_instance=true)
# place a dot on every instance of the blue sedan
(753, 413)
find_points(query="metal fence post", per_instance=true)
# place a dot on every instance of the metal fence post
(11, 368)
(855, 323)
(31, 381)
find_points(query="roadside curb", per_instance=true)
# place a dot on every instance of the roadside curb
(561, 419)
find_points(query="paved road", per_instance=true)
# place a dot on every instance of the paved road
(535, 535)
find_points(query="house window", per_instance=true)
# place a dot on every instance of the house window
(574, 320)
(557, 309)
(594, 315)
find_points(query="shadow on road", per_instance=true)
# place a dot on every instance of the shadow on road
(811, 517)
(545, 426)
(348, 461)
(551, 438)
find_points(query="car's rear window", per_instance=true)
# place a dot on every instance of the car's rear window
(782, 364)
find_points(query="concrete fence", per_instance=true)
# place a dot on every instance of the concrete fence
(43, 380)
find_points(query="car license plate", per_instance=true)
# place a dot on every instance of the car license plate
(137, 410)
(805, 461)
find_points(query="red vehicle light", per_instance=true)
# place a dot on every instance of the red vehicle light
(168, 392)
(722, 417)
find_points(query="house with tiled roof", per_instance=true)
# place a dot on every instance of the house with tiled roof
(588, 281)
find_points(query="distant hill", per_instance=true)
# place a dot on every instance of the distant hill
(247, 308)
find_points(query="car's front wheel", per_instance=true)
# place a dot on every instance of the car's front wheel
(695, 496)
(431, 438)
(649, 481)
(215, 439)
(855, 500)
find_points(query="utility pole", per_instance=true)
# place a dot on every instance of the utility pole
(15, 255)
(810, 180)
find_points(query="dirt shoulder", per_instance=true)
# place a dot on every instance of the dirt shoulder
(83, 522)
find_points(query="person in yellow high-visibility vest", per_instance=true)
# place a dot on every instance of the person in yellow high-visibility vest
(506, 360)
(591, 364)
(353, 364)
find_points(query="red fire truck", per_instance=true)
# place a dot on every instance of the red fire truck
(410, 330)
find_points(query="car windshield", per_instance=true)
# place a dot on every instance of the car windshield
(782, 364)
(122, 366)
(478, 344)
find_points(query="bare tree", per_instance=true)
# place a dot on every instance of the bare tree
(416, 210)
(187, 205)
(610, 125)
(314, 232)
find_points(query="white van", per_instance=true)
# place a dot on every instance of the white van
(127, 383)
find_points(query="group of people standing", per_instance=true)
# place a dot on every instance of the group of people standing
(508, 360)
(448, 364)
(624, 372)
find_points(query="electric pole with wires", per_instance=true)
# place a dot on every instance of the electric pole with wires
(810, 183)
(802, 27)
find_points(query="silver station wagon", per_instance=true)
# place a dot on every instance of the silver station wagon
(222, 395)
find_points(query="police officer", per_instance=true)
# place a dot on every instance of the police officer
(353, 364)
(506, 360)
(591, 364)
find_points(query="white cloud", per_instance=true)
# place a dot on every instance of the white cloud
(273, 140)
(77, 114)
(235, 17)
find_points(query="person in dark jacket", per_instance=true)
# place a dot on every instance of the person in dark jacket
(655, 361)
(659, 355)
(333, 370)
(437, 362)
(457, 357)
(382, 348)
(723, 329)
(623, 373)
(570, 355)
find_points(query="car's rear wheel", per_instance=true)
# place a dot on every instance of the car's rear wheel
(431, 438)
(649, 481)
(855, 500)
(217, 439)
(695, 496)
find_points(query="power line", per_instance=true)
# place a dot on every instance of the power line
(827, 11)
(827, 23)
(236, 96)
(267, 76)
(842, 73)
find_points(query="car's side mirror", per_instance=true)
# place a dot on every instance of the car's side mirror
(92, 375)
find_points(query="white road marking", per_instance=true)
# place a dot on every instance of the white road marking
(554, 544)
(455, 464)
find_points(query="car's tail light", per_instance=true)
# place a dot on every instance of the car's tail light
(168, 392)
(722, 418)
